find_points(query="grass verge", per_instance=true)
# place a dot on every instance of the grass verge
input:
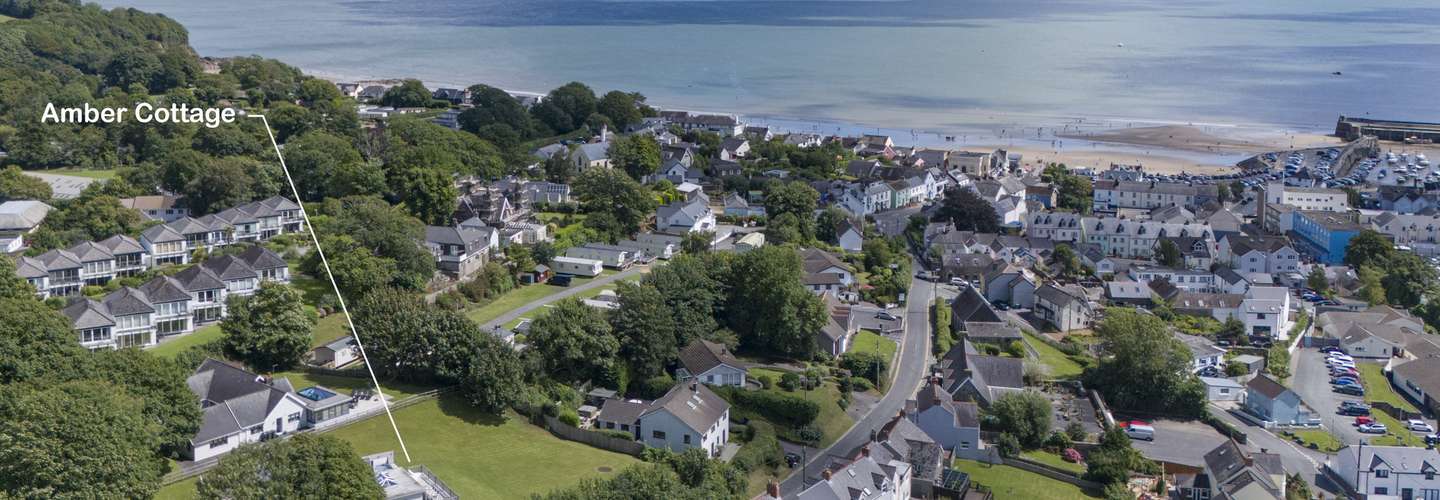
(1009, 483)
(1060, 365)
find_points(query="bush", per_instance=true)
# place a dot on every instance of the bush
(450, 301)
(860, 384)
(652, 387)
(1236, 369)
(790, 381)
(1057, 441)
(782, 409)
(1007, 445)
(808, 434)
(989, 350)
(766, 381)
(569, 417)
(1025, 416)
(761, 451)
(619, 434)
(1072, 455)
(476, 290)
(1015, 349)
(1075, 431)
(865, 364)
(1118, 491)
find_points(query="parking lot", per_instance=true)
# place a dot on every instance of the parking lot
(1312, 382)
(1179, 442)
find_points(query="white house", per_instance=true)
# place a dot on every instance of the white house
(863, 479)
(689, 416)
(710, 363)
(462, 249)
(690, 215)
(21, 217)
(1266, 311)
(1259, 254)
(1203, 353)
(613, 256)
(849, 236)
(1388, 471)
(1067, 307)
(239, 407)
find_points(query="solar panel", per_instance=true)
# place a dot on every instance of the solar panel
(954, 479)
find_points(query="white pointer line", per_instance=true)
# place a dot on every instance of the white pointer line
(334, 286)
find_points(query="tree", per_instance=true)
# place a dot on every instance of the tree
(494, 376)
(1066, 261)
(1277, 361)
(785, 228)
(356, 269)
(303, 466)
(270, 329)
(559, 167)
(327, 166)
(573, 342)
(384, 230)
(1222, 192)
(692, 293)
(15, 185)
(622, 108)
(81, 439)
(697, 242)
(645, 329)
(1026, 415)
(428, 193)
(638, 155)
(769, 308)
(1233, 330)
(1147, 369)
(1369, 248)
(968, 212)
(1372, 291)
(828, 222)
(1296, 488)
(1167, 254)
(1407, 279)
(611, 192)
(223, 183)
(493, 106)
(159, 383)
(1316, 279)
(410, 94)
(798, 199)
(1073, 192)
(575, 100)
(1114, 459)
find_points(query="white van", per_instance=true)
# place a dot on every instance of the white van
(1140, 430)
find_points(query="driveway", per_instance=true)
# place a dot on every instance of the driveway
(1312, 382)
(1179, 442)
(909, 372)
(569, 292)
(1304, 461)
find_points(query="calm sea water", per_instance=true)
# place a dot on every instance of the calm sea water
(951, 66)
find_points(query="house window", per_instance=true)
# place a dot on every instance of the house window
(657, 434)
(1382, 473)
(624, 427)
(257, 429)
(294, 417)
(1224, 391)
(220, 442)
(1381, 490)
(609, 425)
(964, 445)
(687, 439)
(1429, 475)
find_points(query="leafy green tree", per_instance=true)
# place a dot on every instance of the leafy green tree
(827, 223)
(622, 108)
(573, 342)
(1167, 254)
(611, 192)
(429, 194)
(1316, 279)
(410, 94)
(223, 183)
(270, 329)
(968, 212)
(1372, 291)
(1147, 369)
(638, 155)
(693, 293)
(159, 383)
(1369, 248)
(697, 242)
(327, 166)
(51, 445)
(1232, 329)
(15, 185)
(493, 106)
(391, 324)
(493, 376)
(798, 199)
(1072, 192)
(1408, 278)
(1026, 415)
(767, 305)
(575, 100)
(355, 268)
(439, 148)
(1066, 261)
(385, 230)
(645, 329)
(1114, 460)
(303, 466)
(785, 228)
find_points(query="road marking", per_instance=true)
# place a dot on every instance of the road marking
(334, 286)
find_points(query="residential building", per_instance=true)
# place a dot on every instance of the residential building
(612, 256)
(974, 164)
(1420, 380)
(1306, 198)
(819, 262)
(1260, 254)
(902, 441)
(1420, 232)
(969, 376)
(1202, 351)
(1325, 235)
(591, 155)
(725, 125)
(239, 407)
(1222, 389)
(689, 416)
(954, 425)
(1183, 279)
(1066, 307)
(849, 236)
(1122, 237)
(738, 206)
(1266, 311)
(685, 216)
(19, 218)
(1233, 473)
(164, 208)
(1387, 471)
(1012, 284)
(1110, 195)
(1276, 404)
(863, 479)
(575, 266)
(1055, 226)
(710, 363)
(734, 148)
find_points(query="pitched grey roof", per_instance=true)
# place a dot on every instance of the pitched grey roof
(970, 306)
(87, 313)
(58, 259)
(229, 267)
(196, 278)
(164, 289)
(1267, 386)
(702, 355)
(162, 233)
(28, 267)
(693, 208)
(258, 257)
(853, 481)
(90, 251)
(22, 214)
(127, 301)
(121, 244)
(234, 399)
(620, 410)
(693, 403)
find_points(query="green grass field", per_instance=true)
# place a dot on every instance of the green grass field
(1053, 460)
(183, 490)
(1323, 440)
(395, 390)
(832, 419)
(81, 172)
(480, 455)
(175, 347)
(1377, 387)
(5, 19)
(868, 341)
(1061, 366)
(1009, 483)
(521, 296)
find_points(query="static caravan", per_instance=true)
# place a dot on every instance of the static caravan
(576, 266)
(609, 255)
(657, 249)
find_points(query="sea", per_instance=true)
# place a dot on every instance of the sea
(965, 68)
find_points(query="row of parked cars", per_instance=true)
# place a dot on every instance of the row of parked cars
(1346, 380)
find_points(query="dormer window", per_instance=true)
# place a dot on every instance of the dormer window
(1382, 473)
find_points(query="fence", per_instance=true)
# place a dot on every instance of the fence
(592, 438)
(333, 372)
(1394, 411)
(1052, 473)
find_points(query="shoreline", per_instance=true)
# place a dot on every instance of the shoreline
(1161, 146)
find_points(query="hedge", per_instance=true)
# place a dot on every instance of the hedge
(782, 409)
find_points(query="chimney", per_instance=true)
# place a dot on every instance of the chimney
(773, 489)
(865, 451)
(825, 474)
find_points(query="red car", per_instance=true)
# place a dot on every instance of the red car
(1362, 420)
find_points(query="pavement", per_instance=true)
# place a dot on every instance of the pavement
(1312, 383)
(1296, 459)
(1179, 441)
(569, 292)
(909, 372)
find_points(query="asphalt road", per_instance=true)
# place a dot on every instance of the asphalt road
(1312, 383)
(910, 371)
(531, 306)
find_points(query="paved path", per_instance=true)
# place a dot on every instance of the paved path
(569, 292)
(909, 372)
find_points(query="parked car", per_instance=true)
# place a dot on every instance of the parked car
(1375, 428)
(560, 280)
(1354, 411)
(1354, 404)
(1363, 420)
(1139, 430)
(1418, 425)
(1330, 348)
(1432, 439)
(1345, 381)
(1353, 390)
(792, 460)
(886, 316)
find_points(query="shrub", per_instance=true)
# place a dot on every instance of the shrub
(865, 364)
(790, 381)
(861, 384)
(809, 434)
(1015, 349)
(652, 387)
(1075, 431)
(569, 417)
(766, 381)
(776, 407)
(1007, 445)
(476, 290)
(761, 451)
(989, 350)
(1236, 369)
(1057, 441)
(619, 434)
(450, 301)
(1072, 455)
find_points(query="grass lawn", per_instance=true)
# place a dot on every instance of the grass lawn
(480, 455)
(81, 172)
(1053, 460)
(1009, 483)
(175, 347)
(521, 296)
(1377, 387)
(832, 419)
(1397, 434)
(183, 490)
(1060, 365)
(395, 390)
(4, 18)
(868, 341)
(1323, 440)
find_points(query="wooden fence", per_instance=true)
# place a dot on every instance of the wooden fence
(593, 438)
(1052, 472)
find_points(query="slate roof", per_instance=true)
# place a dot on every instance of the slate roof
(196, 278)
(816, 260)
(87, 313)
(161, 234)
(702, 355)
(863, 479)
(259, 257)
(28, 267)
(1002, 331)
(693, 403)
(1233, 469)
(234, 399)
(58, 259)
(620, 410)
(693, 209)
(1266, 386)
(121, 244)
(970, 306)
(127, 301)
(90, 251)
(164, 289)
(1241, 245)
(229, 267)
(22, 214)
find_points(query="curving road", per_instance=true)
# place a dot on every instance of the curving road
(909, 372)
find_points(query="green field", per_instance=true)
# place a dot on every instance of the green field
(1053, 460)
(1322, 439)
(5, 19)
(1009, 483)
(175, 347)
(1060, 365)
(868, 341)
(1377, 387)
(480, 455)
(395, 390)
(81, 172)
(521, 296)
(183, 490)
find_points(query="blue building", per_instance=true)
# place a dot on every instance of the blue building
(1325, 235)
